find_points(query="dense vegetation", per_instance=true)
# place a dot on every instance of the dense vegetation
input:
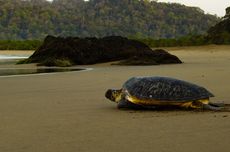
(182, 41)
(190, 40)
(34, 19)
(220, 33)
(19, 44)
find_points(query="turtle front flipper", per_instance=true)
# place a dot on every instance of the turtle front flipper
(125, 104)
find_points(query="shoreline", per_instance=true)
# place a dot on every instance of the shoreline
(211, 47)
(39, 74)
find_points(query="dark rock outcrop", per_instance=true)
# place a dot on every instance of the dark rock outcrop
(57, 51)
(220, 33)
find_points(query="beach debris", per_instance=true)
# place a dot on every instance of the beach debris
(162, 93)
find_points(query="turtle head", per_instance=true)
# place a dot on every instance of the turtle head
(113, 95)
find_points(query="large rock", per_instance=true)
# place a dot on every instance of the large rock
(220, 33)
(57, 51)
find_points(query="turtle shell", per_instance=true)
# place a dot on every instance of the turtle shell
(165, 88)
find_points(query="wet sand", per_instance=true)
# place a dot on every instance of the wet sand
(16, 52)
(67, 112)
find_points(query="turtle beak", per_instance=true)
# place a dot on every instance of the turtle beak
(109, 95)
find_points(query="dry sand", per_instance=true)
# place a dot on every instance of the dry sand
(67, 112)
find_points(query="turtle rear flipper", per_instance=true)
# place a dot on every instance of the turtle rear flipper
(220, 104)
(214, 106)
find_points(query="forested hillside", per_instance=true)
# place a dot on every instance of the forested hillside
(34, 19)
(220, 33)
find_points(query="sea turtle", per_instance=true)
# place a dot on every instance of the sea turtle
(161, 92)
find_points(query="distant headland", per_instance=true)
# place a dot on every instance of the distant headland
(220, 33)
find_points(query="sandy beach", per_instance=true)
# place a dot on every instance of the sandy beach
(67, 112)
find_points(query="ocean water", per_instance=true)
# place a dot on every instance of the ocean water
(11, 57)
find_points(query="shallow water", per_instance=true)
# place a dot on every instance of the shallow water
(12, 60)
(24, 71)
(8, 57)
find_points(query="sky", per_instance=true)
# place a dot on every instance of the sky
(214, 7)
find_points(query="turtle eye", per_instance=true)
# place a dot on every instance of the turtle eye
(114, 94)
